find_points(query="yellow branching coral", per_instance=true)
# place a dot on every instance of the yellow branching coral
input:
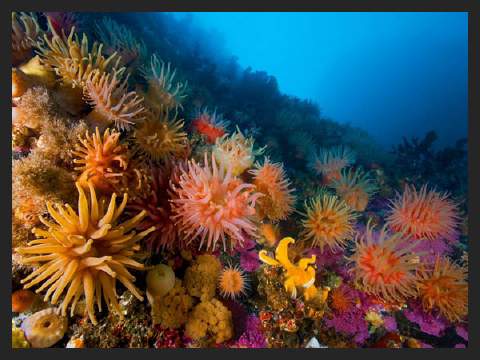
(201, 277)
(112, 102)
(171, 311)
(162, 90)
(25, 30)
(85, 253)
(328, 222)
(271, 180)
(210, 319)
(300, 275)
(101, 160)
(160, 137)
(236, 150)
(72, 60)
(118, 38)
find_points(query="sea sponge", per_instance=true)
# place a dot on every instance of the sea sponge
(44, 328)
(270, 179)
(35, 108)
(160, 280)
(329, 162)
(211, 204)
(103, 160)
(232, 282)
(22, 300)
(25, 30)
(236, 151)
(212, 319)
(162, 91)
(38, 73)
(171, 311)
(74, 254)
(443, 286)
(160, 136)
(355, 187)
(384, 266)
(424, 214)
(328, 222)
(201, 277)
(18, 338)
(112, 102)
(210, 125)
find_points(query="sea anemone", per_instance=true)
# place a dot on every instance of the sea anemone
(22, 300)
(112, 102)
(328, 222)
(158, 207)
(44, 328)
(424, 214)
(118, 38)
(211, 126)
(270, 179)
(343, 298)
(383, 266)
(25, 30)
(232, 282)
(101, 160)
(161, 88)
(355, 187)
(443, 286)
(329, 162)
(211, 204)
(236, 150)
(85, 253)
(269, 234)
(160, 137)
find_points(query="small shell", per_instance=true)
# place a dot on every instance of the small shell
(44, 328)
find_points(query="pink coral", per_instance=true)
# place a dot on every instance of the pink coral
(429, 323)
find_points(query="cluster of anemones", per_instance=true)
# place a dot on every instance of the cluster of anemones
(211, 205)
(84, 253)
(270, 179)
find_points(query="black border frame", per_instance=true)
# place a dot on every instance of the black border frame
(251, 5)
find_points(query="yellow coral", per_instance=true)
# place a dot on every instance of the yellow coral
(300, 275)
(212, 319)
(171, 310)
(201, 277)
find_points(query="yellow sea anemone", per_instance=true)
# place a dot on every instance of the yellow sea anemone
(101, 160)
(160, 137)
(112, 102)
(355, 187)
(25, 30)
(444, 287)
(84, 253)
(271, 180)
(162, 90)
(328, 222)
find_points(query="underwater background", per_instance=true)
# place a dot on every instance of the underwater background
(221, 180)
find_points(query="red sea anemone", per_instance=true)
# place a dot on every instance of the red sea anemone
(209, 125)
(212, 205)
(424, 214)
(383, 266)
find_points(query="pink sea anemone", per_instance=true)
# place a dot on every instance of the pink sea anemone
(212, 205)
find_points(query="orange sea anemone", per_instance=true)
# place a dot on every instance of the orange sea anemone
(424, 214)
(443, 286)
(385, 267)
(342, 299)
(269, 234)
(271, 180)
(211, 126)
(213, 205)
(237, 151)
(232, 282)
(112, 103)
(329, 162)
(160, 137)
(355, 187)
(22, 300)
(328, 222)
(162, 90)
(85, 253)
(101, 160)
